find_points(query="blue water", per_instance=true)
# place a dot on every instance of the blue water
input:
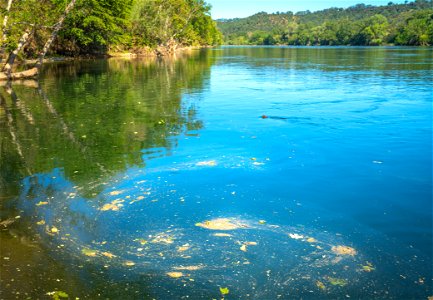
(329, 144)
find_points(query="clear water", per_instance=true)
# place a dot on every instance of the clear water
(108, 167)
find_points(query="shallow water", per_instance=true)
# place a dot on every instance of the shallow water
(320, 158)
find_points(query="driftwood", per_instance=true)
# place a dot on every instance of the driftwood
(30, 83)
(33, 72)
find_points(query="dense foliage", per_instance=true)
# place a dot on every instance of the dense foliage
(400, 24)
(98, 26)
(170, 22)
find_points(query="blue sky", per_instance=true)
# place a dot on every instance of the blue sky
(244, 8)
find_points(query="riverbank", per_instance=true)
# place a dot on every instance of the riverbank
(143, 52)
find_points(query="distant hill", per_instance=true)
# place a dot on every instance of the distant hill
(405, 24)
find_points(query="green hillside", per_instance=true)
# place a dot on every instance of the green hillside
(401, 24)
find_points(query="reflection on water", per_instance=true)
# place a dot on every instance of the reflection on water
(251, 173)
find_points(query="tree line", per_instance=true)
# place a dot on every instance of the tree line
(410, 23)
(33, 28)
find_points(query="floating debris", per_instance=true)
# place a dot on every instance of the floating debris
(311, 240)
(54, 229)
(343, 250)
(220, 234)
(221, 224)
(139, 198)
(41, 222)
(108, 254)
(368, 267)
(337, 281)
(262, 222)
(245, 244)
(174, 274)
(183, 248)
(189, 268)
(296, 236)
(40, 203)
(320, 285)
(163, 238)
(116, 193)
(251, 243)
(141, 241)
(89, 252)
(56, 295)
(129, 263)
(224, 291)
(209, 163)
(114, 205)
(7, 222)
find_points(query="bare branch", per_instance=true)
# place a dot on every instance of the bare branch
(53, 36)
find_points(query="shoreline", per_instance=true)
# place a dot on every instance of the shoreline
(153, 53)
(144, 52)
(140, 53)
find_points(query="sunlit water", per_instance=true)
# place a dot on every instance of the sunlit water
(112, 170)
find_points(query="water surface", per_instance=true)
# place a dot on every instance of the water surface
(321, 156)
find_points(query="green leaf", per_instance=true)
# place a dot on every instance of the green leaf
(224, 291)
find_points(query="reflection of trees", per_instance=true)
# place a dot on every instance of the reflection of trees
(330, 59)
(69, 134)
(94, 118)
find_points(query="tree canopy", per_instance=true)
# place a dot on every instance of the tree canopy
(97, 26)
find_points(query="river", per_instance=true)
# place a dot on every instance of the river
(232, 172)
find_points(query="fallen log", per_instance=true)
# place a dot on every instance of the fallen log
(30, 83)
(31, 73)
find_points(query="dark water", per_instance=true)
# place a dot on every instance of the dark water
(322, 157)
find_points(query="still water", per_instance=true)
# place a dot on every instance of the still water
(235, 173)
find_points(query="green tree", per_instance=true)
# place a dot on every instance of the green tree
(94, 26)
(373, 31)
(206, 30)
(32, 19)
(357, 25)
(169, 23)
(417, 30)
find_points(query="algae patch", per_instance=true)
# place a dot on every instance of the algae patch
(343, 250)
(222, 224)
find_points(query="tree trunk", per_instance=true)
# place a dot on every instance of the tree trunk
(4, 33)
(7, 69)
(5, 20)
(53, 36)
(31, 73)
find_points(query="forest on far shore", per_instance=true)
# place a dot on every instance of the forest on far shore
(410, 23)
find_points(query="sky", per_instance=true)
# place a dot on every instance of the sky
(245, 8)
